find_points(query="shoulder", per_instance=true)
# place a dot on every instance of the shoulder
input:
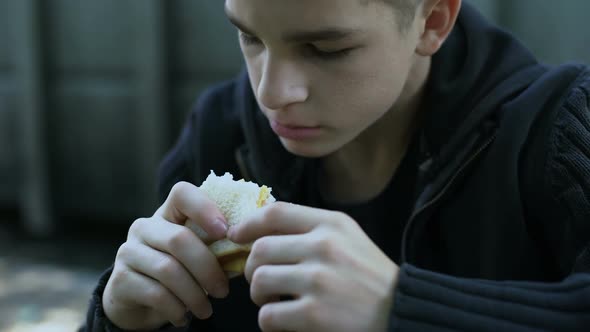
(562, 127)
(559, 106)
(555, 170)
(568, 149)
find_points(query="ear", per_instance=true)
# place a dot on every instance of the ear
(438, 19)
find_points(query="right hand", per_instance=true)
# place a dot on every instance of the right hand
(164, 269)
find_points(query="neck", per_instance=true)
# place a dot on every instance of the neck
(368, 163)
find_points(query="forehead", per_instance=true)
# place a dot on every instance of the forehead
(308, 14)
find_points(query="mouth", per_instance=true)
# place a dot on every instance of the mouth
(295, 132)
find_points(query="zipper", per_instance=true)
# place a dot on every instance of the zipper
(440, 194)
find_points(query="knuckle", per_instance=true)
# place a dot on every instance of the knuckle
(317, 279)
(259, 281)
(260, 248)
(180, 188)
(340, 220)
(119, 276)
(167, 267)
(124, 252)
(324, 247)
(136, 226)
(180, 238)
(259, 277)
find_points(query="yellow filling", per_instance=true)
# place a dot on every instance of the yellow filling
(236, 265)
(262, 196)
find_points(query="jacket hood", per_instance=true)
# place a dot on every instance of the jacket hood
(478, 68)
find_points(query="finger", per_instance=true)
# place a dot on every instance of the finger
(277, 218)
(187, 202)
(147, 292)
(188, 249)
(284, 316)
(276, 250)
(270, 282)
(170, 273)
(200, 232)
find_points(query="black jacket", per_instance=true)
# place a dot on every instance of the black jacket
(499, 234)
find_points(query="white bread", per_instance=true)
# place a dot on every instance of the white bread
(235, 199)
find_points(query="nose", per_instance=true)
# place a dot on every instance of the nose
(281, 84)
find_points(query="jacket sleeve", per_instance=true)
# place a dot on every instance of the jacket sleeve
(95, 317)
(560, 209)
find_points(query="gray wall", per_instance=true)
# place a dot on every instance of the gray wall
(93, 92)
(556, 31)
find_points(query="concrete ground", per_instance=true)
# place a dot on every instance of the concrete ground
(45, 285)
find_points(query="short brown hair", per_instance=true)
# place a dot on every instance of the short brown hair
(405, 10)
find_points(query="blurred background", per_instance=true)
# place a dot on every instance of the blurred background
(92, 94)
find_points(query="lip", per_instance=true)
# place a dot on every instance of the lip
(295, 132)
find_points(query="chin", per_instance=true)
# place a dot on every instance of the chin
(307, 149)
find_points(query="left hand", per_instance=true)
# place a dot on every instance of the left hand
(339, 280)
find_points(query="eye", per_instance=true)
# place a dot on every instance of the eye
(329, 55)
(249, 40)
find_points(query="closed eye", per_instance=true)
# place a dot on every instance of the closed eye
(310, 49)
(330, 55)
(249, 40)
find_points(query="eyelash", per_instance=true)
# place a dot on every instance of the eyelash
(249, 40)
(252, 41)
(334, 55)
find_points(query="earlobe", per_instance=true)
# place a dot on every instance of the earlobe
(439, 17)
(429, 44)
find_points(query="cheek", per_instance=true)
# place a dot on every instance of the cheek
(364, 91)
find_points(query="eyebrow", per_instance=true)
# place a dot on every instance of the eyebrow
(325, 34)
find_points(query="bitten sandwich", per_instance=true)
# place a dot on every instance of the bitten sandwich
(235, 199)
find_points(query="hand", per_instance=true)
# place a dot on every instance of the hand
(339, 280)
(164, 269)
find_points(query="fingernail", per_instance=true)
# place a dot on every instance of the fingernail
(219, 226)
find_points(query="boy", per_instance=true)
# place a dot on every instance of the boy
(457, 163)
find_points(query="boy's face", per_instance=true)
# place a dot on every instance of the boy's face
(323, 71)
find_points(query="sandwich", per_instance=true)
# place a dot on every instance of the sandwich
(235, 199)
